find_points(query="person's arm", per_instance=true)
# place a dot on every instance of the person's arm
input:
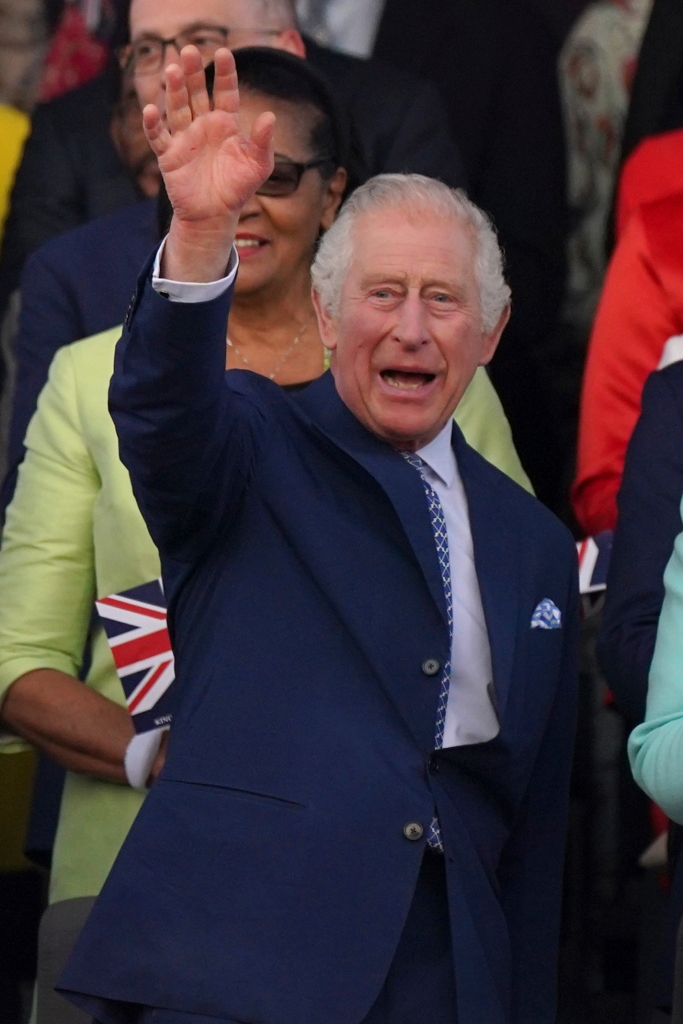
(80, 729)
(187, 438)
(531, 866)
(44, 202)
(481, 417)
(649, 520)
(46, 595)
(633, 322)
(655, 748)
(49, 318)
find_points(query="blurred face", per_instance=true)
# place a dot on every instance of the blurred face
(276, 234)
(198, 21)
(408, 337)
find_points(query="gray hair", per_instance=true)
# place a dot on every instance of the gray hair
(335, 253)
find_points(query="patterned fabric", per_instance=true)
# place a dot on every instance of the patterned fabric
(596, 66)
(546, 616)
(438, 524)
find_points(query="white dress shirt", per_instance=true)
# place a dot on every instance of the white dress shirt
(347, 25)
(470, 715)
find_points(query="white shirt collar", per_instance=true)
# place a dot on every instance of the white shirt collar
(439, 455)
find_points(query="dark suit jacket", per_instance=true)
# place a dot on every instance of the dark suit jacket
(399, 119)
(495, 65)
(649, 521)
(71, 172)
(649, 504)
(268, 876)
(75, 285)
(657, 96)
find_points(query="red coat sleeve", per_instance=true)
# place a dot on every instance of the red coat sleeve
(636, 316)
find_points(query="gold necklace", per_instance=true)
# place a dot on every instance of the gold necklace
(283, 358)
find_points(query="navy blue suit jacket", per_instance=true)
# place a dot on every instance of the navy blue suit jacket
(267, 876)
(649, 505)
(73, 286)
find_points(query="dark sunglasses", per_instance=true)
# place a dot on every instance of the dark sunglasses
(287, 175)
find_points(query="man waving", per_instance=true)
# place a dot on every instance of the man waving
(361, 816)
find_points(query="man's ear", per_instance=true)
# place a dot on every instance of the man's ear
(291, 41)
(326, 325)
(334, 190)
(491, 340)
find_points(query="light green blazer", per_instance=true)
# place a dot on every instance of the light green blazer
(655, 748)
(74, 533)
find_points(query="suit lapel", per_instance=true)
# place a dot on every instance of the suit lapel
(496, 545)
(496, 555)
(400, 481)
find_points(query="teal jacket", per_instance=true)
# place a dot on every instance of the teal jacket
(656, 747)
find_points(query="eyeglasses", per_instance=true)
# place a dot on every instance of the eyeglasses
(146, 56)
(287, 175)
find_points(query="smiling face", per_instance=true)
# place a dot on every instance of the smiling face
(276, 235)
(408, 336)
(167, 19)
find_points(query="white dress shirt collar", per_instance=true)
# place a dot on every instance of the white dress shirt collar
(439, 454)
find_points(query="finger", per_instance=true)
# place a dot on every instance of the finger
(178, 110)
(225, 93)
(195, 80)
(261, 141)
(156, 133)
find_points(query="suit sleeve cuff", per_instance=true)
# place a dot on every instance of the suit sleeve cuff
(190, 291)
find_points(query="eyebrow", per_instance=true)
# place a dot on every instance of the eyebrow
(194, 27)
(394, 278)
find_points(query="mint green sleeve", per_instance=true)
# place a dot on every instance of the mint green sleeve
(655, 748)
(46, 562)
(481, 418)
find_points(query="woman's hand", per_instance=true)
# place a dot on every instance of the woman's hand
(209, 167)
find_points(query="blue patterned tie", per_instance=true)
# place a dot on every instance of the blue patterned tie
(438, 523)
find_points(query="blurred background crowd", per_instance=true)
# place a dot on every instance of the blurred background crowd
(561, 118)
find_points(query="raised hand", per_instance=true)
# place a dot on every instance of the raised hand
(209, 167)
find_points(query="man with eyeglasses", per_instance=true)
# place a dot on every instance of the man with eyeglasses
(72, 173)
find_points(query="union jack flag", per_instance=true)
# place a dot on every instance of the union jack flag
(135, 624)
(594, 555)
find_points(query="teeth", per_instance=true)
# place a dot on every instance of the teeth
(246, 243)
(404, 384)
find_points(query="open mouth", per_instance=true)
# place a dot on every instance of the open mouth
(406, 380)
(246, 245)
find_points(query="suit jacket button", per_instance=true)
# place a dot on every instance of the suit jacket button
(430, 666)
(432, 764)
(413, 830)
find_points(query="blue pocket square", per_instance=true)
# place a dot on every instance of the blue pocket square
(546, 616)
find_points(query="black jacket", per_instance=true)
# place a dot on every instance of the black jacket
(648, 524)
(495, 65)
(657, 97)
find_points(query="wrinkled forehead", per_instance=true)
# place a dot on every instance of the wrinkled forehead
(166, 18)
(415, 243)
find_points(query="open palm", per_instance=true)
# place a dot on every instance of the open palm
(209, 167)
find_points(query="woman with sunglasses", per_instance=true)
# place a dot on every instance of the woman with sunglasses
(74, 532)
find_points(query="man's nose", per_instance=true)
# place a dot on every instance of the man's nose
(171, 56)
(411, 329)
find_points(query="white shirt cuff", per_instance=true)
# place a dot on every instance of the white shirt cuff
(191, 291)
(140, 755)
